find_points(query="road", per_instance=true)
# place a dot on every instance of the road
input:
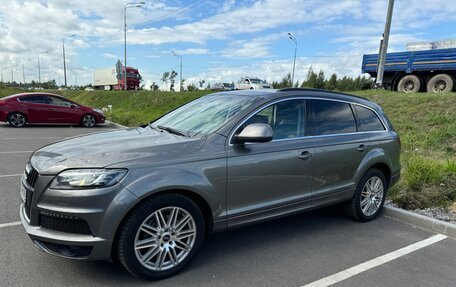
(320, 247)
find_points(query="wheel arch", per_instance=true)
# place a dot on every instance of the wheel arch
(202, 204)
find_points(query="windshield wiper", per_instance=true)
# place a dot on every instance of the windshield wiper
(172, 130)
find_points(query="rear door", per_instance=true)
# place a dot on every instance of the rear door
(339, 150)
(37, 108)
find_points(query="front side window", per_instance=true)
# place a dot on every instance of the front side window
(58, 102)
(206, 114)
(368, 120)
(286, 118)
(332, 117)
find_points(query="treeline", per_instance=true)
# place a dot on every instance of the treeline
(319, 81)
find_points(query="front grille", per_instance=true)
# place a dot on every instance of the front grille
(32, 176)
(64, 224)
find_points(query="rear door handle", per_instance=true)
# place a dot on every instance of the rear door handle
(361, 148)
(305, 155)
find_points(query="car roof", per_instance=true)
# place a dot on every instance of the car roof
(272, 94)
(31, 94)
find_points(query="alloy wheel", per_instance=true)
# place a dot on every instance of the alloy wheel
(372, 196)
(165, 238)
(17, 120)
(88, 121)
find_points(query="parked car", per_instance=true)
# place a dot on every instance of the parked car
(247, 83)
(222, 87)
(44, 108)
(148, 196)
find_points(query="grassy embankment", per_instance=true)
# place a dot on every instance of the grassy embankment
(425, 122)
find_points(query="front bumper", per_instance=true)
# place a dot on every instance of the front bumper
(49, 218)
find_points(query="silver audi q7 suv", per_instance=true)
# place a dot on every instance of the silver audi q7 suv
(148, 196)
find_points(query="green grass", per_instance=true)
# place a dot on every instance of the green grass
(426, 124)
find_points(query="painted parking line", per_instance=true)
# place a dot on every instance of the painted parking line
(11, 175)
(9, 224)
(12, 152)
(347, 273)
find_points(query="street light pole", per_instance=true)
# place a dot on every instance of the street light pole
(64, 62)
(294, 61)
(180, 73)
(128, 5)
(39, 69)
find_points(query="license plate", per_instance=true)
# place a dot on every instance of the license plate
(23, 194)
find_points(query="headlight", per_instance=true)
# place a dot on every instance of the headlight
(87, 178)
(98, 111)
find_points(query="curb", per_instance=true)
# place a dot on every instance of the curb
(421, 221)
(119, 126)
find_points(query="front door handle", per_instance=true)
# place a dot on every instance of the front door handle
(305, 155)
(361, 148)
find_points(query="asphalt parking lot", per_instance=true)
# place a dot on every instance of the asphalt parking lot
(318, 248)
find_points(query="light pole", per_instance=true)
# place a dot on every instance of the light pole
(23, 70)
(180, 73)
(128, 5)
(39, 69)
(4, 68)
(294, 61)
(64, 63)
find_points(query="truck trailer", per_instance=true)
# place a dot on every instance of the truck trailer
(416, 71)
(112, 78)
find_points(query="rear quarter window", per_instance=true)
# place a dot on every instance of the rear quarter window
(368, 120)
(332, 117)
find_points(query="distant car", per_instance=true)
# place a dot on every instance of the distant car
(222, 87)
(44, 108)
(247, 83)
(89, 89)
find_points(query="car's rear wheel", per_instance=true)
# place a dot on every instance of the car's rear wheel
(161, 236)
(17, 120)
(88, 121)
(369, 197)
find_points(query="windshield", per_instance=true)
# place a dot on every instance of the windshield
(256, 81)
(206, 114)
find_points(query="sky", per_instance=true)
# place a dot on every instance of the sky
(219, 41)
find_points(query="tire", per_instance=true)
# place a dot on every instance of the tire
(409, 84)
(361, 210)
(441, 83)
(17, 119)
(161, 248)
(88, 121)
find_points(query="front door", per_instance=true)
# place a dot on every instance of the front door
(267, 179)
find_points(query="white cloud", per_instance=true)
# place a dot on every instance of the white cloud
(109, 56)
(192, 51)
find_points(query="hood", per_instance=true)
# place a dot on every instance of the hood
(104, 149)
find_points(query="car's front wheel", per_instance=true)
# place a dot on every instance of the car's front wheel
(17, 120)
(369, 197)
(161, 236)
(88, 121)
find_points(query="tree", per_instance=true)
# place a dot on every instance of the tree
(311, 80)
(191, 87)
(172, 79)
(154, 86)
(201, 83)
(331, 84)
(165, 77)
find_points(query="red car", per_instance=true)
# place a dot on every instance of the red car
(40, 108)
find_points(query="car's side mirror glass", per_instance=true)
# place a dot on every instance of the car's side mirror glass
(255, 133)
(73, 106)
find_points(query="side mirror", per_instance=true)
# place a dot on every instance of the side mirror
(255, 133)
(74, 106)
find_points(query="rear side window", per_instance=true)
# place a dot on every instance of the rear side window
(368, 120)
(34, 99)
(331, 117)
